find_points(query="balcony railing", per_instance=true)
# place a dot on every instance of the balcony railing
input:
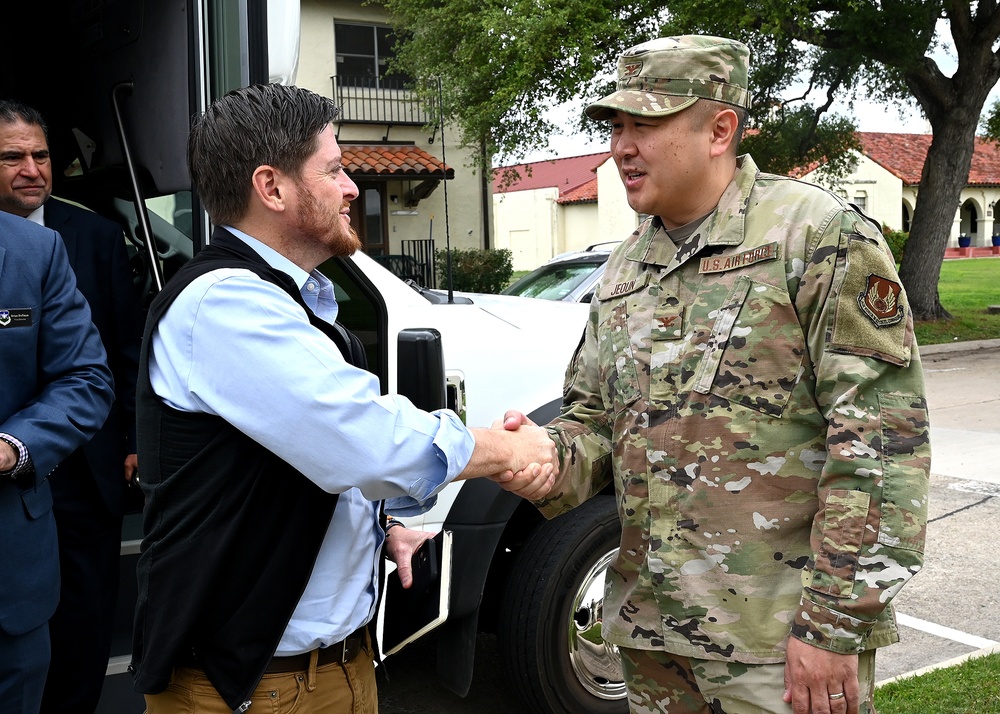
(392, 102)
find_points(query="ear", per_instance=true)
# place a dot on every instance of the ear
(269, 188)
(723, 127)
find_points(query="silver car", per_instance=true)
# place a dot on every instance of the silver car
(570, 277)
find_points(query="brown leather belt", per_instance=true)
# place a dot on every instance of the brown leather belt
(337, 653)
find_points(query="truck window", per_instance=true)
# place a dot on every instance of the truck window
(361, 311)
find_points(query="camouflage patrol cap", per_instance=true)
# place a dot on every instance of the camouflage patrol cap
(666, 75)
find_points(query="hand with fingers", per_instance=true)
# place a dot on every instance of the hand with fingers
(818, 681)
(535, 479)
(400, 545)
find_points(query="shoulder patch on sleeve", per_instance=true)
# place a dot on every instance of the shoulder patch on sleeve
(879, 300)
(871, 318)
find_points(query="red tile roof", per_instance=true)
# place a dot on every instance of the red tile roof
(387, 160)
(569, 175)
(903, 156)
(584, 193)
(985, 169)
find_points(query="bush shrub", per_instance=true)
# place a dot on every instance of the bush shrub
(475, 270)
(896, 241)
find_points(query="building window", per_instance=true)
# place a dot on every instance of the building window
(861, 201)
(363, 55)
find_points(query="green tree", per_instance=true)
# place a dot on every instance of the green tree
(991, 122)
(503, 62)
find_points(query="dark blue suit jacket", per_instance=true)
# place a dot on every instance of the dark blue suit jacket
(57, 391)
(96, 250)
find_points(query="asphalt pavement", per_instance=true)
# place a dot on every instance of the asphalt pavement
(948, 612)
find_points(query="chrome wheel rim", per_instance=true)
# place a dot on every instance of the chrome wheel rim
(595, 663)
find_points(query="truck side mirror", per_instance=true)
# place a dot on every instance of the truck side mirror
(420, 368)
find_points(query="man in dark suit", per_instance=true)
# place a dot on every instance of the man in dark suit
(89, 485)
(57, 393)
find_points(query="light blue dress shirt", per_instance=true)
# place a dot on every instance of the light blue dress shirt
(239, 347)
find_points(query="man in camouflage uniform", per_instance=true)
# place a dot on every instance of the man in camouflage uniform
(749, 383)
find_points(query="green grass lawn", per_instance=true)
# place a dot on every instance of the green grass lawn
(972, 687)
(966, 288)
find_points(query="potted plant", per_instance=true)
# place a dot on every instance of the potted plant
(964, 241)
(996, 239)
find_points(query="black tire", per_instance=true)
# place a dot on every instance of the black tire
(549, 634)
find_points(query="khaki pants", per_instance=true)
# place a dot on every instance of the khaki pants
(342, 688)
(662, 683)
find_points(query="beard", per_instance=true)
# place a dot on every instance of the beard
(325, 225)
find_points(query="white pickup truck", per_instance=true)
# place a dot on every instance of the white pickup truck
(539, 585)
(122, 79)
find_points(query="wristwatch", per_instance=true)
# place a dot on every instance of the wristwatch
(390, 524)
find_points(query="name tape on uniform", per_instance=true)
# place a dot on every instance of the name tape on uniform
(722, 263)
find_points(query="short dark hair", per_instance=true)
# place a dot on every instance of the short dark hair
(263, 124)
(12, 111)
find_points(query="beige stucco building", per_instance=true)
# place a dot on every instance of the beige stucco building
(402, 167)
(558, 206)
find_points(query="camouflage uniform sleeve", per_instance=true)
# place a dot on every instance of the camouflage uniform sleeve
(582, 431)
(867, 537)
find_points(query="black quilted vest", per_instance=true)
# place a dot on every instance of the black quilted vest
(231, 531)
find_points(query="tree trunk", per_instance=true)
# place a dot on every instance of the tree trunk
(953, 106)
(945, 174)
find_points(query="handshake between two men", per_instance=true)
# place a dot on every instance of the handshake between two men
(516, 453)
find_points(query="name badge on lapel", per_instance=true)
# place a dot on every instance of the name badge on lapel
(15, 317)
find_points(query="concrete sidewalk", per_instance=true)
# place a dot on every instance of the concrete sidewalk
(964, 404)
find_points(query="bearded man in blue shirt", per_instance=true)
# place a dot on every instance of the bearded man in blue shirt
(267, 449)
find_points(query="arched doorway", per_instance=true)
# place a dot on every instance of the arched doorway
(970, 221)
